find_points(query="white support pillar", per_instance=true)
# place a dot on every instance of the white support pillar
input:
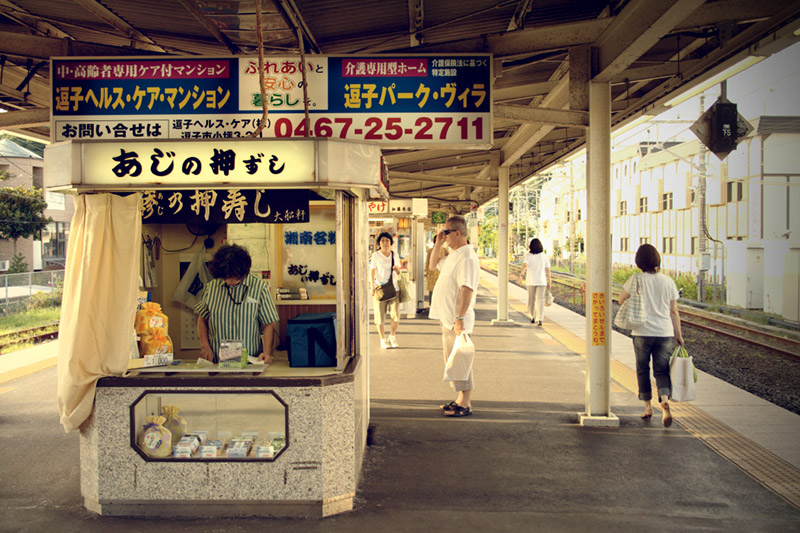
(502, 247)
(598, 260)
(420, 266)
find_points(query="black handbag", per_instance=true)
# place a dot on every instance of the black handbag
(387, 291)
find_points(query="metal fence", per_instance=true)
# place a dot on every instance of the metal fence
(19, 292)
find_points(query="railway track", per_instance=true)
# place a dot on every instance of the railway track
(788, 348)
(32, 335)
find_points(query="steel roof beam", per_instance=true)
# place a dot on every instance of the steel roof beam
(192, 7)
(637, 28)
(450, 180)
(34, 46)
(25, 119)
(31, 21)
(542, 115)
(138, 39)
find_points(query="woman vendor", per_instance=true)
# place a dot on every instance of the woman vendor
(236, 305)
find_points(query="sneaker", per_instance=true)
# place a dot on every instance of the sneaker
(393, 342)
(540, 323)
(384, 344)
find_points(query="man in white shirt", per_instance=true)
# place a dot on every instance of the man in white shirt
(453, 300)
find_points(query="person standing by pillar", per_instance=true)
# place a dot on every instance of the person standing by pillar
(453, 300)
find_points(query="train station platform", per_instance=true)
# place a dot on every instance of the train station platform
(521, 462)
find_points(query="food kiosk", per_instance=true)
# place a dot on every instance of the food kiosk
(280, 440)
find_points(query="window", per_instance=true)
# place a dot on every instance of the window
(578, 217)
(643, 204)
(695, 249)
(668, 246)
(624, 244)
(666, 201)
(692, 195)
(623, 207)
(643, 240)
(735, 191)
(54, 240)
(568, 215)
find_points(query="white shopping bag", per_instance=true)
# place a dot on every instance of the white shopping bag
(682, 375)
(459, 363)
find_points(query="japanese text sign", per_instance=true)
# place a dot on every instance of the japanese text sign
(598, 319)
(406, 100)
(257, 162)
(225, 206)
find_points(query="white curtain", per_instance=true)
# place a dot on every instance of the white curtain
(99, 304)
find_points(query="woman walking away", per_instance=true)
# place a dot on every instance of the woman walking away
(384, 267)
(654, 338)
(537, 265)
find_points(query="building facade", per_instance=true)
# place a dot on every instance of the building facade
(48, 250)
(747, 238)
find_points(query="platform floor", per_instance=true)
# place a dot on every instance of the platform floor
(522, 462)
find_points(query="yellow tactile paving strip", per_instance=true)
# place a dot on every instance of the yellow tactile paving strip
(27, 369)
(762, 465)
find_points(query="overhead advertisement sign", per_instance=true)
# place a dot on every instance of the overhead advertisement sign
(398, 101)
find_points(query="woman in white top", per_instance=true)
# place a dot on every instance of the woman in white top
(655, 337)
(381, 271)
(537, 265)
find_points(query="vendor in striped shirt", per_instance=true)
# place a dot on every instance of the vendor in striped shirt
(236, 305)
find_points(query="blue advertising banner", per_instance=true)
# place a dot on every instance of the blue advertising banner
(407, 100)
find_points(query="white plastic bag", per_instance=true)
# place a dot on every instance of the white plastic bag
(548, 299)
(194, 281)
(683, 375)
(459, 363)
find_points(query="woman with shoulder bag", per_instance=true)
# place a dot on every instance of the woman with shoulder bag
(384, 268)
(655, 337)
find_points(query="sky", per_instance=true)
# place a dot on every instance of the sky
(771, 87)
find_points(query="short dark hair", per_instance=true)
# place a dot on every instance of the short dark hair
(648, 259)
(230, 261)
(536, 246)
(383, 234)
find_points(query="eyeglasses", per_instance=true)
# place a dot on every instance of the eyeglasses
(448, 231)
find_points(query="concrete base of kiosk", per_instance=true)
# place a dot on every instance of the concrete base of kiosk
(315, 475)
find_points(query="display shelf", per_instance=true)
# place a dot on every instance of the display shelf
(210, 419)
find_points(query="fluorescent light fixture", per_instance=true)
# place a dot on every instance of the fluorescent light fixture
(371, 219)
(724, 75)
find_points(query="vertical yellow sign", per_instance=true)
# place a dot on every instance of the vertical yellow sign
(598, 319)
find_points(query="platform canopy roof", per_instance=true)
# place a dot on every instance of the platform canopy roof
(648, 50)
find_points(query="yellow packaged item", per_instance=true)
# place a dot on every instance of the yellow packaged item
(155, 341)
(150, 316)
(174, 423)
(154, 439)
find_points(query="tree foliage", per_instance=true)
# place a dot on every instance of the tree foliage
(488, 236)
(22, 213)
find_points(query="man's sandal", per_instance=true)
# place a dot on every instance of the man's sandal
(458, 411)
(449, 406)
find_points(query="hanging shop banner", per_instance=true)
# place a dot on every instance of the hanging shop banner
(393, 100)
(225, 206)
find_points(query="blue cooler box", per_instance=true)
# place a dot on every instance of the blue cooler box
(312, 339)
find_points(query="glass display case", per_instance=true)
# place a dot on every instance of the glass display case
(209, 426)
